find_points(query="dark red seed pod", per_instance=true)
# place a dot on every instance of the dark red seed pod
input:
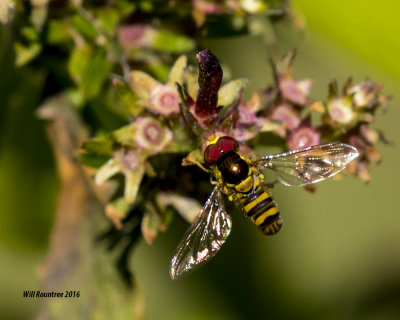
(227, 144)
(212, 154)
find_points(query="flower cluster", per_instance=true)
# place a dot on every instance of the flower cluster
(181, 115)
(344, 116)
(285, 110)
(88, 49)
(276, 109)
(115, 61)
(287, 101)
(153, 131)
(347, 116)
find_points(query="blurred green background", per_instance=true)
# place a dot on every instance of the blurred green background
(338, 255)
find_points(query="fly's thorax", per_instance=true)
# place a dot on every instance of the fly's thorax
(245, 186)
(234, 169)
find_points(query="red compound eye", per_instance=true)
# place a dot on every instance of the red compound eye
(211, 154)
(227, 144)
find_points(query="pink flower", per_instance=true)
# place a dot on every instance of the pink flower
(246, 115)
(370, 135)
(135, 36)
(363, 141)
(207, 6)
(247, 111)
(367, 94)
(242, 134)
(341, 111)
(151, 135)
(287, 115)
(165, 100)
(356, 141)
(131, 164)
(302, 137)
(295, 91)
(157, 97)
(128, 159)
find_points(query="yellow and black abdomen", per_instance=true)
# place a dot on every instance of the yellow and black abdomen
(261, 209)
(255, 201)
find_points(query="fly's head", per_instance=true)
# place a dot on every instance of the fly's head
(218, 147)
(214, 153)
(229, 166)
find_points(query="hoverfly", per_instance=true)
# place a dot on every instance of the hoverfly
(239, 177)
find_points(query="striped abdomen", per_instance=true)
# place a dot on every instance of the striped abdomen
(261, 209)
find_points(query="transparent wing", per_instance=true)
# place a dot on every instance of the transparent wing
(310, 165)
(204, 237)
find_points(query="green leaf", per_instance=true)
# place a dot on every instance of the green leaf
(30, 33)
(97, 69)
(333, 89)
(25, 54)
(29, 48)
(98, 146)
(230, 91)
(108, 18)
(168, 41)
(84, 27)
(89, 67)
(177, 71)
(39, 16)
(92, 160)
(195, 157)
(159, 69)
(180, 143)
(192, 76)
(127, 97)
(268, 125)
(125, 135)
(75, 97)
(79, 61)
(125, 8)
(143, 84)
(96, 152)
(58, 32)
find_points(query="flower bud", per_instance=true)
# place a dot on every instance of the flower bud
(165, 100)
(151, 135)
(287, 115)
